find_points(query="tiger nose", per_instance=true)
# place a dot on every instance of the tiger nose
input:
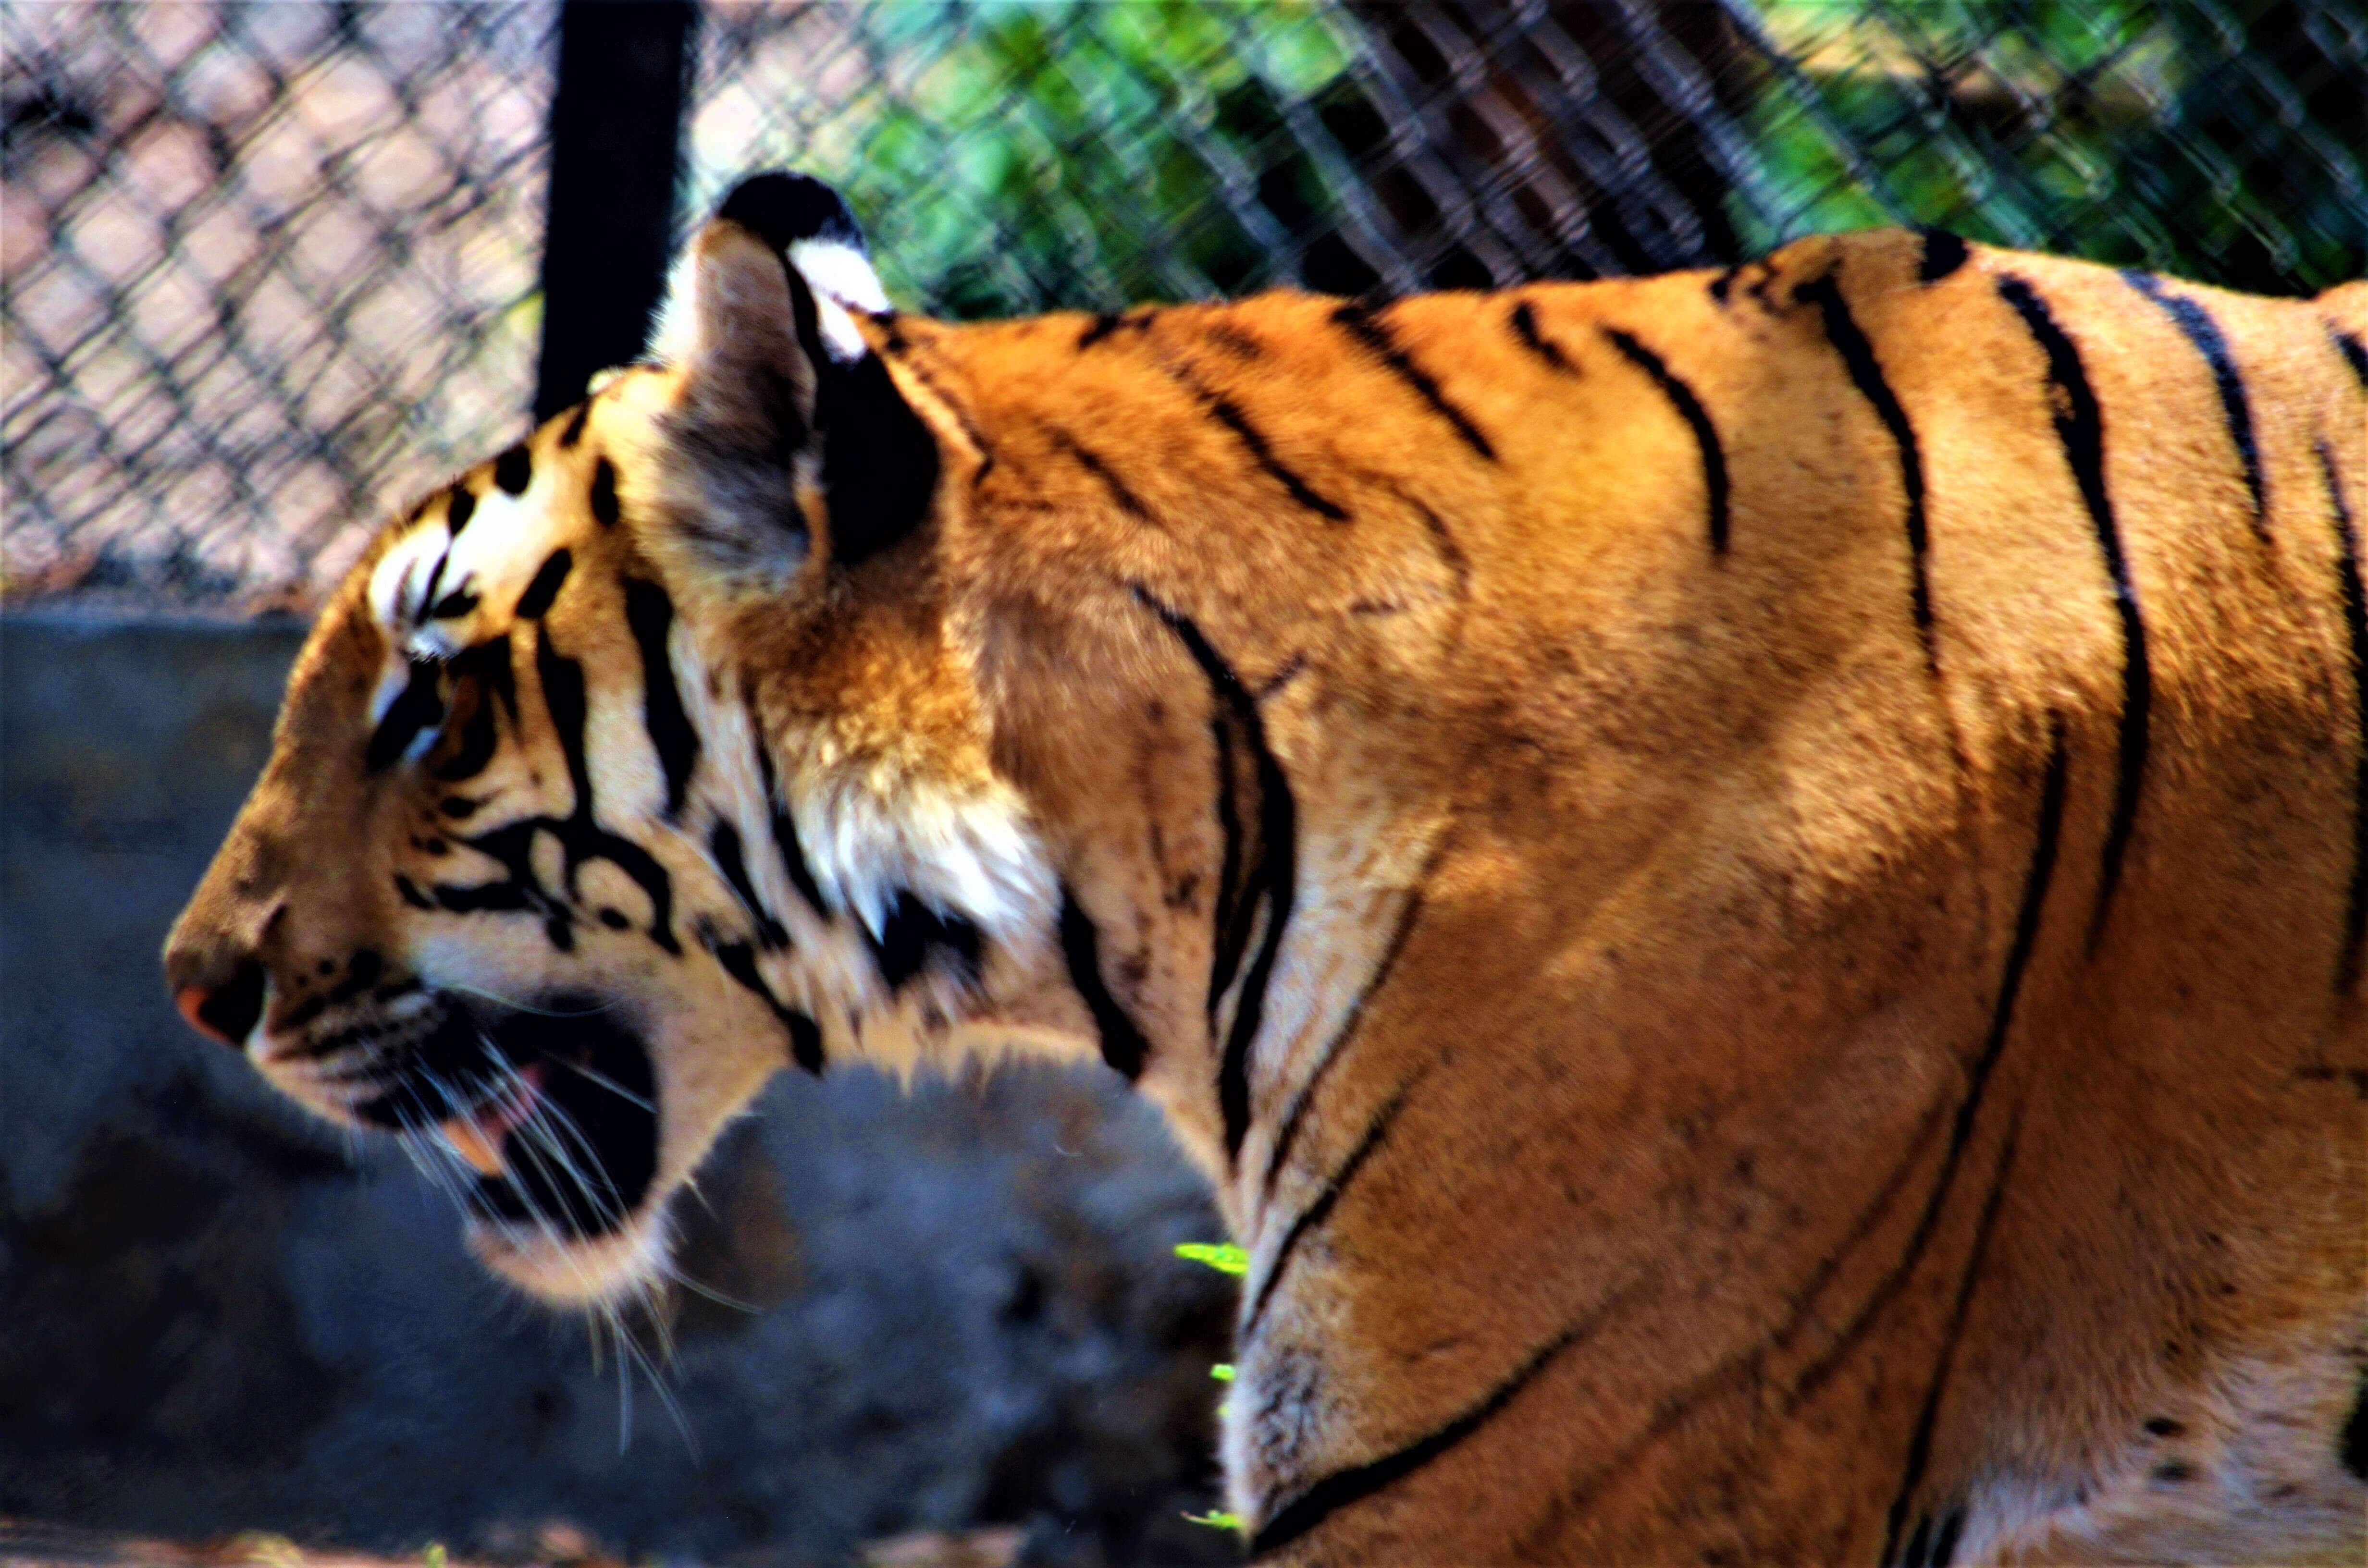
(228, 1011)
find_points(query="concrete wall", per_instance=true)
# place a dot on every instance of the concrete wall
(220, 1315)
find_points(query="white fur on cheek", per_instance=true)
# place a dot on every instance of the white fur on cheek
(971, 854)
(504, 544)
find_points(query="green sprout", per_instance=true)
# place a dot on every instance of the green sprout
(1222, 1257)
(1217, 1521)
(1223, 1371)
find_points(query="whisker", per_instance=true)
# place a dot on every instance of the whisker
(610, 1085)
(677, 1277)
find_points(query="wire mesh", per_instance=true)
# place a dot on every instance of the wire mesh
(264, 266)
(270, 268)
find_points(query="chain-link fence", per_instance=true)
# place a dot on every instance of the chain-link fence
(269, 268)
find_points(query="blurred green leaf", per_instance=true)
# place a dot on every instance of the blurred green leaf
(1222, 1257)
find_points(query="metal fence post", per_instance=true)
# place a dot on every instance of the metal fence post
(616, 124)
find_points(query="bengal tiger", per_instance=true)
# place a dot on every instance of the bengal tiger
(1749, 885)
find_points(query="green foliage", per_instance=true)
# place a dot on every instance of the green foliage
(1218, 1520)
(1222, 1257)
(1084, 153)
(1006, 155)
(1223, 1371)
(2125, 130)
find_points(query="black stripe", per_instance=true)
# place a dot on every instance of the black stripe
(1961, 1132)
(1110, 322)
(561, 680)
(2355, 353)
(651, 615)
(1233, 420)
(605, 508)
(1101, 326)
(514, 471)
(1690, 408)
(1920, 1444)
(1296, 1112)
(1368, 328)
(2355, 620)
(485, 667)
(1943, 254)
(463, 507)
(880, 461)
(476, 748)
(1122, 1044)
(419, 704)
(739, 962)
(1235, 900)
(961, 416)
(2080, 425)
(1271, 877)
(784, 827)
(1336, 1491)
(579, 834)
(1866, 374)
(427, 593)
(1944, 1545)
(535, 603)
(1234, 340)
(2236, 410)
(574, 432)
(452, 606)
(913, 933)
(1320, 1208)
(1128, 501)
(1525, 327)
(2352, 1449)
(724, 843)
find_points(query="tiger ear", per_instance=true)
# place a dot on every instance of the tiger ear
(762, 320)
(742, 328)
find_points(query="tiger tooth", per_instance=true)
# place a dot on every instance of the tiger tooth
(471, 1142)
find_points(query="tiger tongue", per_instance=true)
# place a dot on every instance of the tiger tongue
(468, 1139)
(478, 1138)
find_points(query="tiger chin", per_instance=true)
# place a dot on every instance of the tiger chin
(1671, 848)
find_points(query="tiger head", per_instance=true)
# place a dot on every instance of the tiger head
(626, 767)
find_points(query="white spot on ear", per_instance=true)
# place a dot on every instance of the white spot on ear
(842, 280)
(841, 270)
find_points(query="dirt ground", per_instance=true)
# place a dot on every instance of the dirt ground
(28, 1545)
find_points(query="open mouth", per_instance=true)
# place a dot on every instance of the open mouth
(551, 1111)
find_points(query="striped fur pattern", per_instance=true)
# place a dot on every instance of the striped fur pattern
(1751, 887)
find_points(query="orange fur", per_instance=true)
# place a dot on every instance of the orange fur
(1778, 1064)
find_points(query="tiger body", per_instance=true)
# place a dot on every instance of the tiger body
(1748, 885)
